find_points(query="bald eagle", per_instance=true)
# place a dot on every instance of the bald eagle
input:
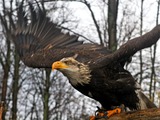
(42, 44)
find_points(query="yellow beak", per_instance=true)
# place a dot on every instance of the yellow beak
(59, 65)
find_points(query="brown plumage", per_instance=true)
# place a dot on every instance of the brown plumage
(41, 43)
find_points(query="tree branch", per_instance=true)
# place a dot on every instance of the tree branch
(95, 21)
(79, 35)
(148, 114)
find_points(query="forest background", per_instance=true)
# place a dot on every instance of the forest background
(39, 94)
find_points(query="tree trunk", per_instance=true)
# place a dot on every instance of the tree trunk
(140, 52)
(6, 69)
(112, 23)
(46, 95)
(153, 60)
(15, 86)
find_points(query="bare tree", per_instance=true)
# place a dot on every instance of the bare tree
(38, 94)
(5, 54)
(140, 56)
(153, 77)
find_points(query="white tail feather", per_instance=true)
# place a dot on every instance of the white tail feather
(144, 102)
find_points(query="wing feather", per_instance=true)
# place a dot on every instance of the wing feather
(39, 41)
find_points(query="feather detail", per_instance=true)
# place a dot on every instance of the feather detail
(77, 73)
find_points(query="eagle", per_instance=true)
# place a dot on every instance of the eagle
(90, 68)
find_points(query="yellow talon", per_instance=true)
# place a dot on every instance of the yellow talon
(112, 112)
(106, 114)
(92, 118)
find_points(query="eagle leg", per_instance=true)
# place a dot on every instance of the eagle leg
(112, 112)
(101, 113)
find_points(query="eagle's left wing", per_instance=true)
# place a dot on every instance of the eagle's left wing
(39, 41)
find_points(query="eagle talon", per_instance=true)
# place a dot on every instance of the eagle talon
(112, 112)
(101, 113)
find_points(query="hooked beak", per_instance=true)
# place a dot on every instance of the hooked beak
(58, 65)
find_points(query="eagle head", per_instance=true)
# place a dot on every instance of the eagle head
(76, 72)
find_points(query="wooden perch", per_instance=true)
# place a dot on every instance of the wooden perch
(1, 109)
(147, 114)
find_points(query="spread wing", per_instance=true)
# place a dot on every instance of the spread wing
(41, 42)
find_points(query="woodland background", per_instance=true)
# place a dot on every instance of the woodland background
(39, 94)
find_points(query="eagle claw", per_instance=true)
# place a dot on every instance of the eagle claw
(101, 113)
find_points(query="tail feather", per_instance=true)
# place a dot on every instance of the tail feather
(144, 101)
